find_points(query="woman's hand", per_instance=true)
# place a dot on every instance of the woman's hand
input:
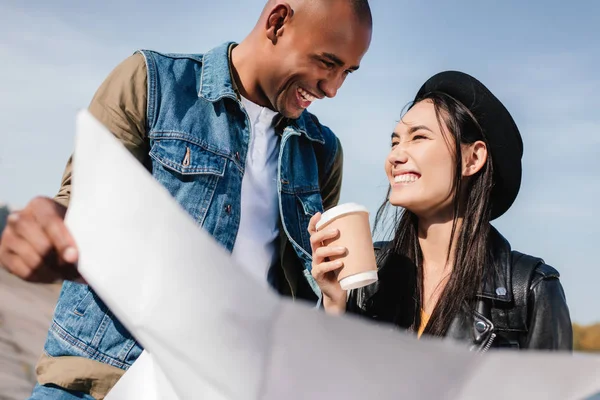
(325, 267)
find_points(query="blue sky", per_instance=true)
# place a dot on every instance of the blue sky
(539, 58)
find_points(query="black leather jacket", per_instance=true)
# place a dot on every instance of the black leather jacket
(510, 311)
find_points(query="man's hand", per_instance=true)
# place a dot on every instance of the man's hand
(36, 244)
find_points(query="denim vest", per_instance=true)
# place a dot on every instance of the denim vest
(199, 134)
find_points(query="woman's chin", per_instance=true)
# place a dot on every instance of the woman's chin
(403, 203)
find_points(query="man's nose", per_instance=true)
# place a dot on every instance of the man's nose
(331, 85)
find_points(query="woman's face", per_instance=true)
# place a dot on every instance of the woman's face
(421, 163)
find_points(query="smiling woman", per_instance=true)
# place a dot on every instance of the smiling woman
(454, 165)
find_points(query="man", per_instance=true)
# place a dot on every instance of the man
(228, 134)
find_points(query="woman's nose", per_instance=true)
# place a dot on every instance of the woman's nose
(397, 155)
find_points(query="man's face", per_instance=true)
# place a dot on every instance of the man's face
(312, 58)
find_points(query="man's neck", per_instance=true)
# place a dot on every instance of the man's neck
(244, 69)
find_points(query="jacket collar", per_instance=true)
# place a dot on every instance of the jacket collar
(307, 124)
(497, 280)
(215, 76)
(216, 82)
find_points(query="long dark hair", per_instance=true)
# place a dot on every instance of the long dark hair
(472, 252)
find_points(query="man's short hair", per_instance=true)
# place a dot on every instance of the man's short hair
(362, 10)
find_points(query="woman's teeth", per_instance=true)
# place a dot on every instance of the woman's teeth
(306, 96)
(405, 178)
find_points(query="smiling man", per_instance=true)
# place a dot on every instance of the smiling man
(228, 134)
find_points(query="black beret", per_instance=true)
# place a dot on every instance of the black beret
(499, 128)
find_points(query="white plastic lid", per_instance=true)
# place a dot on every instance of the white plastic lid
(338, 211)
(358, 280)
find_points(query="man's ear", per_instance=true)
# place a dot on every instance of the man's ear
(474, 158)
(277, 18)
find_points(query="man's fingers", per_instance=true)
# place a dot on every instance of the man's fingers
(20, 248)
(51, 221)
(62, 240)
(33, 240)
(27, 229)
(16, 266)
(21, 260)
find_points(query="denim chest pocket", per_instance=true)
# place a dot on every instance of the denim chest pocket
(190, 172)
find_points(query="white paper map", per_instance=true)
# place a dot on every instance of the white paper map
(215, 333)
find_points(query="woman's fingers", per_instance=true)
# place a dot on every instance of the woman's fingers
(312, 224)
(317, 238)
(323, 253)
(319, 271)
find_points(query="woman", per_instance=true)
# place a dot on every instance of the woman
(454, 165)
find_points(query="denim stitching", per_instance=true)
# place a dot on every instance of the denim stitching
(219, 171)
(94, 354)
(99, 335)
(151, 88)
(187, 137)
(212, 195)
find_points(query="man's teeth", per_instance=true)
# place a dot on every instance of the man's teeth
(405, 178)
(306, 96)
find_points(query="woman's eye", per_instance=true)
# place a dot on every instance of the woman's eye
(419, 137)
(394, 144)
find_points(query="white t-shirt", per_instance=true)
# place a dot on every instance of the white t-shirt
(255, 247)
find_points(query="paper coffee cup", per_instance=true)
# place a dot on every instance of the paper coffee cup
(352, 221)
